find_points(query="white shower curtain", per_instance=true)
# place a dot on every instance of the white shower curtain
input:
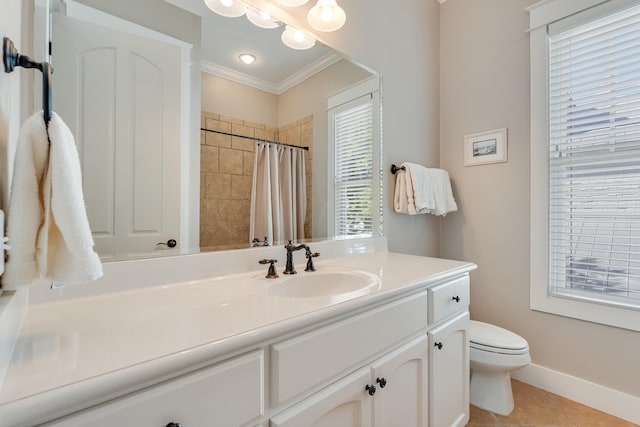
(279, 194)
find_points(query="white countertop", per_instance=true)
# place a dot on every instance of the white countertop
(84, 349)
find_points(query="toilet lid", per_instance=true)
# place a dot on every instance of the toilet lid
(487, 335)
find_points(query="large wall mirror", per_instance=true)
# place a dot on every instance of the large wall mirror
(170, 123)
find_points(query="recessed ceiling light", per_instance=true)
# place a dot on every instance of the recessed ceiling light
(247, 58)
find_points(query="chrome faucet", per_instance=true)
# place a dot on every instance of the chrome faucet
(291, 248)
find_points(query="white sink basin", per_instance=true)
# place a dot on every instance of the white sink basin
(324, 283)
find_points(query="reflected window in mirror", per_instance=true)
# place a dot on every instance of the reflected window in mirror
(354, 120)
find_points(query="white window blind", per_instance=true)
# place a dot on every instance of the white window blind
(594, 160)
(353, 156)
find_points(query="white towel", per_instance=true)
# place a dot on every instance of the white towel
(421, 190)
(47, 221)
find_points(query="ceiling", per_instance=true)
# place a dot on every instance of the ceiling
(277, 67)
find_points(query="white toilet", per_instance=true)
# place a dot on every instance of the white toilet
(494, 353)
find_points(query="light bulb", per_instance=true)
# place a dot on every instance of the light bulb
(296, 39)
(326, 15)
(292, 3)
(228, 8)
(260, 19)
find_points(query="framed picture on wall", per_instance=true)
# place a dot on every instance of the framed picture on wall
(485, 147)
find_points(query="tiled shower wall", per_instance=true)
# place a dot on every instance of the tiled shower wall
(226, 175)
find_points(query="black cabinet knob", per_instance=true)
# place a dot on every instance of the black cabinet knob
(382, 381)
(371, 389)
(456, 298)
(439, 345)
(174, 425)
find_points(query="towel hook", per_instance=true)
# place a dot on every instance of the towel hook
(12, 58)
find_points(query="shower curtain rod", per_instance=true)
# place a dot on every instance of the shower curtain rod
(256, 139)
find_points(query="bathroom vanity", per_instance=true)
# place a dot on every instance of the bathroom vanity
(242, 350)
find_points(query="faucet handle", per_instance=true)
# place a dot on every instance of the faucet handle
(310, 256)
(271, 273)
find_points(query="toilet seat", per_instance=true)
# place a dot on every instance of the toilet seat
(494, 339)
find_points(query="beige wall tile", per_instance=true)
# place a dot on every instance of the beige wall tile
(217, 186)
(208, 158)
(243, 144)
(231, 120)
(246, 211)
(254, 125)
(209, 215)
(218, 140)
(219, 125)
(231, 211)
(209, 115)
(241, 187)
(227, 165)
(231, 161)
(269, 135)
(242, 130)
(240, 233)
(248, 162)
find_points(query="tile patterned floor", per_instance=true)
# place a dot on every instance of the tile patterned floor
(538, 408)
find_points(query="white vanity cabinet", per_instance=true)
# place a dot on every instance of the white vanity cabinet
(449, 354)
(402, 362)
(227, 394)
(343, 404)
(402, 386)
(388, 392)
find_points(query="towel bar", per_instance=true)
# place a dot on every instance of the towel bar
(395, 169)
(12, 58)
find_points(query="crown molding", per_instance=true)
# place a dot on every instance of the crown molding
(315, 67)
(277, 89)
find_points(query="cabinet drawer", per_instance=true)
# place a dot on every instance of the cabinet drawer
(312, 359)
(228, 394)
(448, 299)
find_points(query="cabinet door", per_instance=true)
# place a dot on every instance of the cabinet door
(343, 404)
(449, 373)
(401, 381)
(227, 394)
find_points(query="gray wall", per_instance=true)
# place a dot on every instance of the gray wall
(485, 85)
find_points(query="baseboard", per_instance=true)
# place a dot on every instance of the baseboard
(602, 398)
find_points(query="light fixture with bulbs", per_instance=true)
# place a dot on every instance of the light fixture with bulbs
(247, 58)
(296, 39)
(326, 15)
(261, 19)
(228, 8)
(292, 3)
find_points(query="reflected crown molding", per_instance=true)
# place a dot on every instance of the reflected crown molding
(277, 88)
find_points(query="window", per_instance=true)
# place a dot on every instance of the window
(354, 123)
(586, 162)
